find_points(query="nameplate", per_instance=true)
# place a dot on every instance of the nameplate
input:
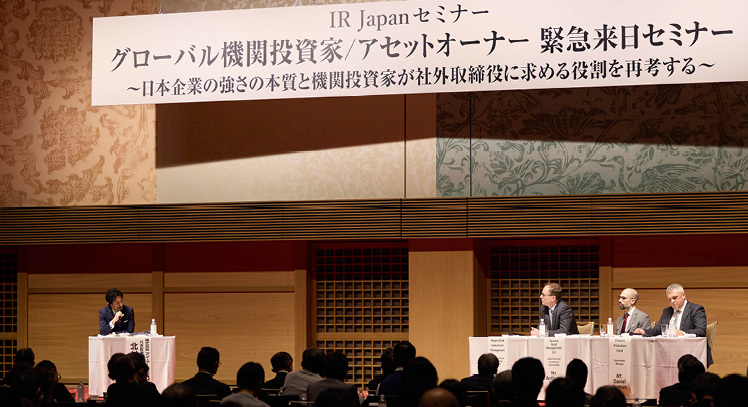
(554, 358)
(497, 346)
(619, 362)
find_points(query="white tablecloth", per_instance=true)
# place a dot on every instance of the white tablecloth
(654, 360)
(101, 348)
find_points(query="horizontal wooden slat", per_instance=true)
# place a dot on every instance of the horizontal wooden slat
(188, 282)
(89, 282)
(232, 289)
(365, 336)
(476, 217)
(693, 277)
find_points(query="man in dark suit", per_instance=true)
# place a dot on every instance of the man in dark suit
(282, 363)
(488, 365)
(402, 353)
(555, 312)
(679, 394)
(336, 369)
(208, 360)
(116, 317)
(688, 318)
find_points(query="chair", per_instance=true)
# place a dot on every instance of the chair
(586, 329)
(478, 398)
(281, 400)
(711, 334)
(203, 400)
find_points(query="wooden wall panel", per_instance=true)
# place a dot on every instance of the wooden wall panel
(242, 326)
(723, 305)
(60, 324)
(442, 316)
(218, 281)
(90, 283)
(661, 277)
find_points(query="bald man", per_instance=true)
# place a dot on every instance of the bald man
(438, 397)
(632, 317)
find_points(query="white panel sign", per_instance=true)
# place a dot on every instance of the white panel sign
(497, 345)
(415, 47)
(554, 358)
(619, 354)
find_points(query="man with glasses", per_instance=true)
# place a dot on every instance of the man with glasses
(633, 318)
(557, 314)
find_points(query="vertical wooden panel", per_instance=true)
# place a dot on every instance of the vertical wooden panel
(441, 309)
(606, 311)
(301, 315)
(157, 299)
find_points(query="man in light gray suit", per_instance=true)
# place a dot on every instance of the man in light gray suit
(632, 318)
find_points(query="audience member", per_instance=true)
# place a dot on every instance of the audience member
(179, 395)
(458, 389)
(731, 392)
(704, 389)
(418, 376)
(23, 361)
(387, 364)
(488, 365)
(208, 360)
(336, 369)
(60, 393)
(31, 388)
(312, 362)
(679, 394)
(124, 392)
(403, 353)
(527, 380)
(282, 363)
(438, 397)
(577, 372)
(608, 396)
(563, 392)
(502, 388)
(141, 370)
(249, 380)
(335, 398)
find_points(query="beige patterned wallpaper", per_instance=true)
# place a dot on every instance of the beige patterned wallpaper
(55, 149)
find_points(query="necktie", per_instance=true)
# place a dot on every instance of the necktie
(677, 317)
(550, 316)
(623, 325)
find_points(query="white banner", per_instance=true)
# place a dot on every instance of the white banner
(554, 358)
(142, 345)
(619, 362)
(414, 47)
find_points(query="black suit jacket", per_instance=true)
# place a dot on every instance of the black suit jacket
(693, 321)
(563, 319)
(204, 383)
(276, 382)
(678, 394)
(125, 324)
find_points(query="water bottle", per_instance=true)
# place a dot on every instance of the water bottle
(541, 327)
(610, 327)
(382, 401)
(153, 327)
(81, 392)
(637, 403)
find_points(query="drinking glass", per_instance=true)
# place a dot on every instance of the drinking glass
(603, 330)
(663, 329)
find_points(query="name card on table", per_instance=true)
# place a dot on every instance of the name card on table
(554, 358)
(142, 345)
(497, 346)
(619, 362)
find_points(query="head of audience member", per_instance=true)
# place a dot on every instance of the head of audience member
(336, 366)
(179, 395)
(627, 299)
(114, 298)
(731, 391)
(439, 397)
(488, 364)
(282, 361)
(458, 390)
(502, 386)
(527, 378)
(313, 360)
(32, 388)
(550, 295)
(335, 398)
(140, 366)
(419, 375)
(49, 369)
(208, 360)
(387, 362)
(24, 355)
(608, 396)
(121, 368)
(676, 295)
(704, 388)
(562, 392)
(577, 371)
(402, 353)
(688, 368)
(250, 377)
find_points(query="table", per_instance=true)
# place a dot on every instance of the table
(653, 360)
(101, 348)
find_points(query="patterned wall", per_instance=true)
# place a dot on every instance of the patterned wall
(675, 138)
(55, 149)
